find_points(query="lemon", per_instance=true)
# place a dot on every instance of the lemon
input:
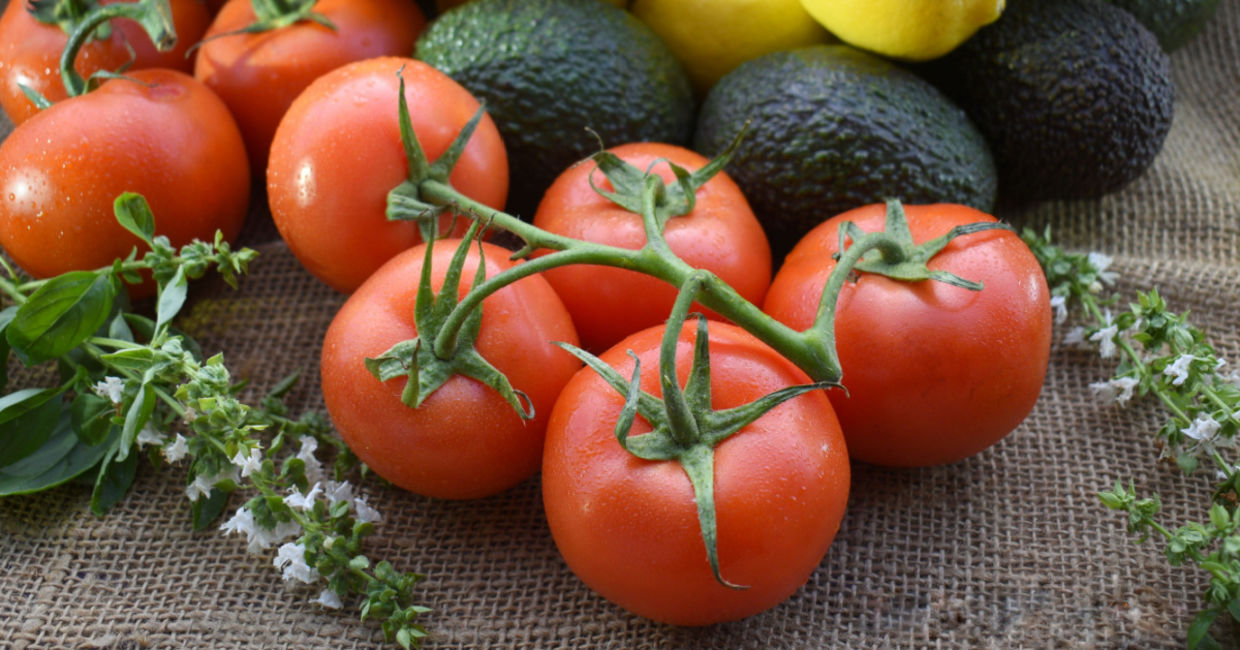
(912, 30)
(711, 37)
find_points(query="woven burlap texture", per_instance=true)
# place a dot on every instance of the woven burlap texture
(1008, 549)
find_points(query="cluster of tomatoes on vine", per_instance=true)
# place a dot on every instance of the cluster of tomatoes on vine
(696, 470)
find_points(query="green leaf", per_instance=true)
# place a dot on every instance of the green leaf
(91, 416)
(1233, 608)
(1199, 632)
(135, 418)
(115, 476)
(171, 299)
(6, 316)
(28, 424)
(207, 509)
(61, 459)
(138, 359)
(133, 212)
(61, 314)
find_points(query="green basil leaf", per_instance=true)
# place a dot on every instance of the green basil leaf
(171, 298)
(91, 416)
(119, 329)
(135, 418)
(62, 458)
(130, 358)
(133, 212)
(61, 314)
(6, 316)
(207, 509)
(28, 424)
(115, 476)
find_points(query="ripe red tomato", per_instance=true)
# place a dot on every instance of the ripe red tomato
(629, 527)
(338, 153)
(934, 373)
(464, 441)
(162, 134)
(721, 235)
(259, 75)
(30, 52)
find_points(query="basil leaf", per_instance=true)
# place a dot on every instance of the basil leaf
(207, 509)
(61, 459)
(91, 417)
(61, 314)
(135, 418)
(27, 425)
(6, 316)
(118, 329)
(116, 474)
(171, 298)
(133, 212)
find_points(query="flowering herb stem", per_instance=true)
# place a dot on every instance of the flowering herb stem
(129, 383)
(1159, 352)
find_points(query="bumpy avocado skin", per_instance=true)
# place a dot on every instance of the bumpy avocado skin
(1174, 22)
(1074, 96)
(552, 71)
(832, 128)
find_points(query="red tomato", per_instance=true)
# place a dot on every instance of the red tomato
(720, 235)
(30, 52)
(163, 135)
(259, 75)
(934, 373)
(464, 441)
(629, 528)
(338, 153)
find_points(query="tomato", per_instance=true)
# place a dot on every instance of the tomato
(721, 234)
(464, 441)
(338, 153)
(30, 52)
(934, 373)
(629, 527)
(259, 75)
(161, 134)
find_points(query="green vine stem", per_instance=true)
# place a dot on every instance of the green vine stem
(155, 17)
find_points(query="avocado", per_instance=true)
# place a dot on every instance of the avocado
(832, 128)
(1174, 22)
(1074, 96)
(550, 72)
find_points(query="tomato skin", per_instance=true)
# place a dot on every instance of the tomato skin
(259, 75)
(167, 137)
(721, 235)
(628, 527)
(30, 52)
(337, 154)
(933, 373)
(464, 441)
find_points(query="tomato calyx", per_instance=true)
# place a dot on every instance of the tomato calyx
(276, 14)
(898, 257)
(405, 202)
(65, 14)
(427, 367)
(671, 199)
(685, 427)
(155, 18)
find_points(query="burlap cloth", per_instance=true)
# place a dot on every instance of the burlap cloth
(1008, 549)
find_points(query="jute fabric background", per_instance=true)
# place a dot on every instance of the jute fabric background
(1009, 549)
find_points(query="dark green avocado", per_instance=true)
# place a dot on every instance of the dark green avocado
(833, 128)
(1074, 96)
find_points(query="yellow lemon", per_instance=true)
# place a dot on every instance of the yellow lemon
(912, 30)
(710, 37)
